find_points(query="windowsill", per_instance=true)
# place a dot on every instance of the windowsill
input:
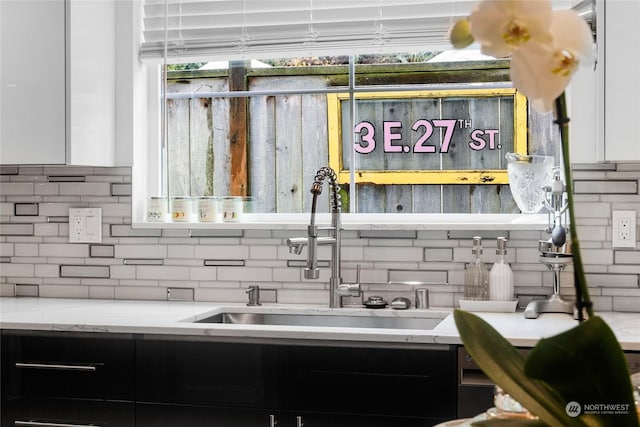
(370, 222)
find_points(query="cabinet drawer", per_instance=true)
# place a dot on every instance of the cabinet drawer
(27, 412)
(206, 373)
(64, 366)
(167, 415)
(372, 381)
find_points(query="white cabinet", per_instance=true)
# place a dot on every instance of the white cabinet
(605, 102)
(32, 76)
(58, 82)
(621, 80)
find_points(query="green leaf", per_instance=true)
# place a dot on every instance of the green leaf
(586, 365)
(502, 362)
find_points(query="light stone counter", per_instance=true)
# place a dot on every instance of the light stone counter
(177, 319)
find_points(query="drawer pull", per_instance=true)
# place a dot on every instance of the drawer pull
(55, 366)
(47, 424)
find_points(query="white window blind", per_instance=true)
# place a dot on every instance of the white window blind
(253, 29)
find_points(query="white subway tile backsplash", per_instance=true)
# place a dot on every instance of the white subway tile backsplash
(7, 249)
(16, 188)
(85, 189)
(245, 274)
(140, 251)
(17, 270)
(84, 271)
(221, 251)
(218, 264)
(392, 254)
(163, 272)
(76, 250)
(64, 291)
(141, 293)
(16, 229)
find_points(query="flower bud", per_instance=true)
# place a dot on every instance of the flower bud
(460, 35)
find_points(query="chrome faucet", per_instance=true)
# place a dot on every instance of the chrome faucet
(337, 288)
(254, 295)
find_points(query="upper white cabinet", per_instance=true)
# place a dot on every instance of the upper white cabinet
(605, 102)
(32, 81)
(58, 82)
(621, 80)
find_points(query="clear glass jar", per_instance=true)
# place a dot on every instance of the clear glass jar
(156, 209)
(232, 209)
(181, 209)
(208, 209)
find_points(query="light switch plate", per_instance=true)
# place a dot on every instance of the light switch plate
(85, 225)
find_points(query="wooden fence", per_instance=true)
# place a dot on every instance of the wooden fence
(287, 143)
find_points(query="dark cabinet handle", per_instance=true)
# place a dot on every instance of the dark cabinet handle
(49, 424)
(56, 366)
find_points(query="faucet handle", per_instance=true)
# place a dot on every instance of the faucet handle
(254, 295)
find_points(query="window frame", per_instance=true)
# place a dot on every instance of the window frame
(485, 176)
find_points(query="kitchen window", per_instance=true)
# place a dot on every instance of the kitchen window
(238, 128)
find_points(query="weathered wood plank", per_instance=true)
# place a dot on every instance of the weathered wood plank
(178, 165)
(221, 143)
(238, 129)
(201, 147)
(315, 147)
(262, 153)
(289, 169)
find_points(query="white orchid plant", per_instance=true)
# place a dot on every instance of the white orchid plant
(586, 364)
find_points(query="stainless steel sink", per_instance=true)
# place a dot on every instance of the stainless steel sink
(324, 320)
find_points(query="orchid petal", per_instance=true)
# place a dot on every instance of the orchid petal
(572, 33)
(502, 26)
(532, 74)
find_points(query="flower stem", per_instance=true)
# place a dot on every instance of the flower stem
(580, 282)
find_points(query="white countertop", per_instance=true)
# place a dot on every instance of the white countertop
(176, 318)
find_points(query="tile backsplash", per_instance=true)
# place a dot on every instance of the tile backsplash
(36, 258)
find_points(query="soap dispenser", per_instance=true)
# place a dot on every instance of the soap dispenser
(501, 280)
(476, 277)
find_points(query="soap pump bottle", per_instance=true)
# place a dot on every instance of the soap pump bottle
(501, 280)
(476, 277)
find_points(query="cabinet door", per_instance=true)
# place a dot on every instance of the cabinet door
(32, 81)
(66, 413)
(164, 415)
(67, 367)
(372, 381)
(622, 88)
(206, 373)
(311, 419)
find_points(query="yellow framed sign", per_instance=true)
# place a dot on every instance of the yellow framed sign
(427, 137)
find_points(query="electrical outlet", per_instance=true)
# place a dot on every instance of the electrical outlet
(85, 225)
(624, 229)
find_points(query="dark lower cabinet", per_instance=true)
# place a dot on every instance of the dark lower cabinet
(168, 415)
(52, 412)
(367, 382)
(51, 379)
(60, 379)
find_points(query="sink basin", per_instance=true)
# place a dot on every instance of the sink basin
(326, 320)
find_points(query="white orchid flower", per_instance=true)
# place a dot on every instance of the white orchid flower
(502, 26)
(542, 71)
